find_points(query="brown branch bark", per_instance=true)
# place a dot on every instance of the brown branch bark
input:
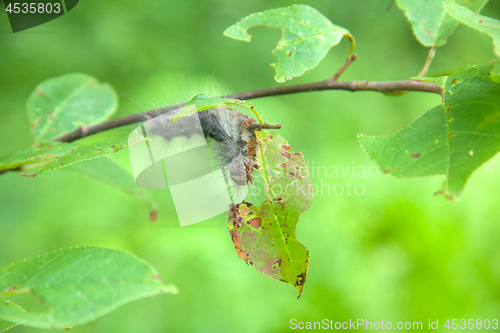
(346, 64)
(329, 84)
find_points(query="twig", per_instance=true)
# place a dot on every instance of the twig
(256, 125)
(430, 56)
(346, 64)
(383, 87)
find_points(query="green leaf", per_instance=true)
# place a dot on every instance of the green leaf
(265, 236)
(482, 23)
(77, 285)
(451, 139)
(202, 102)
(58, 155)
(60, 105)
(87, 152)
(45, 153)
(430, 21)
(106, 171)
(5, 325)
(307, 37)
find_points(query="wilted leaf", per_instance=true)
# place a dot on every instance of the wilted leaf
(451, 139)
(431, 23)
(307, 37)
(60, 105)
(202, 102)
(77, 285)
(265, 236)
(104, 170)
(482, 23)
(45, 153)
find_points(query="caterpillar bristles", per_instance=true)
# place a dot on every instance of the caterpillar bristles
(235, 138)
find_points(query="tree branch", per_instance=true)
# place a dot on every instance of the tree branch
(329, 84)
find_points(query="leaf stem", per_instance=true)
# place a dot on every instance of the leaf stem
(352, 41)
(346, 64)
(430, 56)
(259, 118)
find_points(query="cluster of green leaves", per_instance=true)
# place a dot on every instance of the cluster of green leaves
(59, 106)
(452, 139)
(80, 284)
(460, 134)
(463, 134)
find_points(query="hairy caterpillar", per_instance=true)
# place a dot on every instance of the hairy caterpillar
(205, 159)
(234, 132)
(238, 139)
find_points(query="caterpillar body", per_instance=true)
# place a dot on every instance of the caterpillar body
(232, 130)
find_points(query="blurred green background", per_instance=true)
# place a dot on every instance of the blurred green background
(395, 253)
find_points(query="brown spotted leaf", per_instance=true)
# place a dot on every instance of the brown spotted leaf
(87, 152)
(265, 236)
(44, 153)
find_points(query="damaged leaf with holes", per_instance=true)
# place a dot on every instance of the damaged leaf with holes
(307, 37)
(264, 236)
(452, 139)
(75, 285)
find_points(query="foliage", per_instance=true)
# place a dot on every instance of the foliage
(80, 284)
(60, 105)
(431, 23)
(452, 139)
(482, 23)
(265, 236)
(307, 37)
(77, 285)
